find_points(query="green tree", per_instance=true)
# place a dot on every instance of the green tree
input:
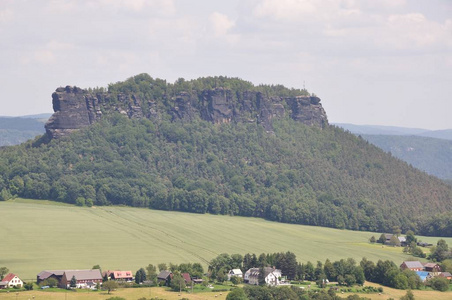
(237, 294)
(73, 282)
(440, 252)
(446, 265)
(349, 279)
(408, 296)
(394, 241)
(89, 202)
(109, 285)
(51, 282)
(236, 280)
(372, 239)
(5, 194)
(410, 238)
(328, 269)
(3, 272)
(178, 282)
(152, 273)
(162, 267)
(439, 284)
(80, 201)
(382, 239)
(29, 286)
(97, 267)
(140, 276)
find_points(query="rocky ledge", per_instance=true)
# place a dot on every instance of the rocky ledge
(76, 108)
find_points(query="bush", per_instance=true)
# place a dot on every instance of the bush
(80, 201)
(28, 286)
(439, 284)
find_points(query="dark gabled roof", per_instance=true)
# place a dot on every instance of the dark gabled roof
(164, 274)
(430, 265)
(47, 273)
(93, 274)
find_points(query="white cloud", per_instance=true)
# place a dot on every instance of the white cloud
(48, 54)
(285, 9)
(415, 31)
(6, 15)
(221, 23)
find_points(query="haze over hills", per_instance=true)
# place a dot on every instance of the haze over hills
(16, 130)
(418, 147)
(445, 134)
(222, 146)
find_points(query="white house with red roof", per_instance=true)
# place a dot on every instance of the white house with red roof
(11, 280)
(119, 275)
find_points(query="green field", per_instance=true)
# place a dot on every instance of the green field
(39, 235)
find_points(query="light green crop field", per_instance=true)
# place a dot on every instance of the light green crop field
(42, 235)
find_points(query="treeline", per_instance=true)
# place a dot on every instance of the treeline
(148, 88)
(345, 272)
(299, 174)
(285, 293)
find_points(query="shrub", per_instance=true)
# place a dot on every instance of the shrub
(28, 286)
(439, 284)
(80, 201)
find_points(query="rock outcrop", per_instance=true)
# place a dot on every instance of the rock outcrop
(76, 108)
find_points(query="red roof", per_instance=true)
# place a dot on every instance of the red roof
(186, 277)
(122, 274)
(9, 277)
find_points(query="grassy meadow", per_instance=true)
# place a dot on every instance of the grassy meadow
(39, 235)
(164, 293)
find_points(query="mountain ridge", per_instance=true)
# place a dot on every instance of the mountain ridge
(76, 108)
(293, 173)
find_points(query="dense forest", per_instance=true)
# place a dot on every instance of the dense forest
(296, 174)
(429, 154)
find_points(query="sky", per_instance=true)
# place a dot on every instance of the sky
(386, 62)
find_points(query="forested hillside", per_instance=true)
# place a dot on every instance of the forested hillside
(16, 130)
(429, 154)
(295, 174)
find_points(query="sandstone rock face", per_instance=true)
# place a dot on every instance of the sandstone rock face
(76, 108)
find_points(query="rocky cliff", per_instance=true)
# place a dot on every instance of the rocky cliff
(76, 108)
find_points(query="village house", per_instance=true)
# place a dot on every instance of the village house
(424, 275)
(271, 276)
(246, 277)
(119, 275)
(402, 240)
(11, 280)
(165, 276)
(46, 274)
(412, 265)
(235, 273)
(446, 275)
(84, 278)
(187, 278)
(433, 268)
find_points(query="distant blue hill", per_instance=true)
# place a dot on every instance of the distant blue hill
(16, 130)
(394, 130)
(427, 150)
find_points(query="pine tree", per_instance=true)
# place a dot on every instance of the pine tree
(73, 282)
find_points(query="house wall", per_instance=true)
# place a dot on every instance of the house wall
(15, 282)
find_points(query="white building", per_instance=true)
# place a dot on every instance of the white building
(11, 280)
(272, 276)
(235, 273)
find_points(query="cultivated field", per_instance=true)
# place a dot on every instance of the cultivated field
(39, 235)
